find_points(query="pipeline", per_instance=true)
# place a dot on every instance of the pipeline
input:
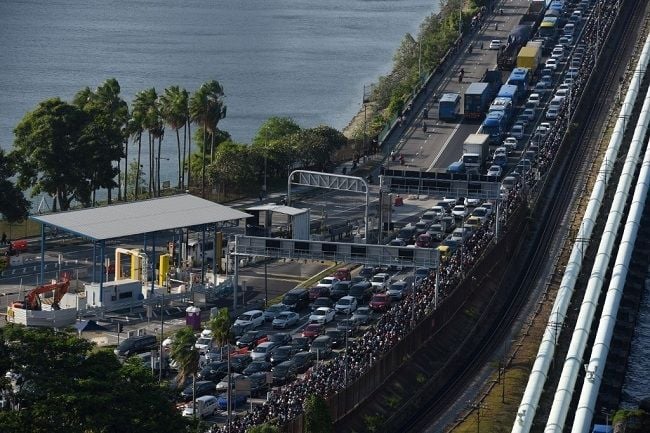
(578, 345)
(594, 369)
(537, 379)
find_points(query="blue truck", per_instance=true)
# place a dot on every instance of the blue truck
(477, 99)
(494, 125)
(449, 107)
(520, 77)
(510, 91)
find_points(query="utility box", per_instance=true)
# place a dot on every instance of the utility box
(193, 317)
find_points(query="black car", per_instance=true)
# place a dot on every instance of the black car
(303, 360)
(258, 383)
(203, 387)
(347, 325)
(338, 337)
(251, 338)
(362, 291)
(281, 354)
(340, 289)
(296, 299)
(239, 362)
(214, 371)
(284, 372)
(257, 367)
(301, 344)
(322, 302)
(282, 338)
(367, 272)
(136, 344)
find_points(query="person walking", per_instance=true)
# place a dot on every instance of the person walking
(4, 239)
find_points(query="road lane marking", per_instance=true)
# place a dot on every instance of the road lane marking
(442, 149)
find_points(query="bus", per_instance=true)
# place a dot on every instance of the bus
(520, 77)
(449, 107)
(494, 126)
(548, 27)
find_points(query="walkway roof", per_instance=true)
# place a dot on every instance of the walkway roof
(286, 210)
(147, 216)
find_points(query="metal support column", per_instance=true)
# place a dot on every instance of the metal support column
(94, 260)
(203, 255)
(153, 261)
(42, 253)
(235, 283)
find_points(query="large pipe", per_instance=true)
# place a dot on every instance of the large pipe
(537, 379)
(574, 357)
(594, 370)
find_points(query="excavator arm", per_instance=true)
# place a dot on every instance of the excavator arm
(33, 302)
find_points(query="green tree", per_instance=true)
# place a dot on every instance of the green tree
(275, 128)
(232, 167)
(64, 386)
(174, 108)
(207, 108)
(317, 415)
(105, 133)
(145, 108)
(220, 326)
(264, 428)
(13, 204)
(317, 145)
(186, 355)
(135, 129)
(48, 143)
(135, 174)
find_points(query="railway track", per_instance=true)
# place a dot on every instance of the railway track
(569, 176)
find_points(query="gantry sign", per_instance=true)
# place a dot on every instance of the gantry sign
(441, 184)
(339, 182)
(371, 255)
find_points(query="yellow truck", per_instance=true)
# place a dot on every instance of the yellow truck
(529, 57)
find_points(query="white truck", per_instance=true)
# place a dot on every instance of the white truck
(475, 152)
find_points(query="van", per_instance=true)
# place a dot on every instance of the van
(569, 29)
(296, 298)
(321, 346)
(556, 102)
(205, 406)
(137, 344)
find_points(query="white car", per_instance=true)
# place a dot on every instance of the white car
(439, 211)
(472, 201)
(517, 131)
(380, 282)
(322, 315)
(489, 207)
(495, 44)
(551, 64)
(203, 344)
(535, 98)
(552, 113)
(327, 282)
(511, 143)
(495, 171)
(562, 92)
(459, 211)
(572, 72)
(557, 53)
(252, 319)
(529, 113)
(346, 305)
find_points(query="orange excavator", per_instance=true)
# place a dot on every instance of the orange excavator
(33, 300)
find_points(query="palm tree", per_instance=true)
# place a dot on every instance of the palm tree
(174, 109)
(220, 327)
(186, 356)
(137, 125)
(145, 105)
(207, 107)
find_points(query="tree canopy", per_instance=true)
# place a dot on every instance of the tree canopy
(13, 205)
(62, 385)
(317, 415)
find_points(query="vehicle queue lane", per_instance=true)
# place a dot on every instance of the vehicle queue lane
(448, 135)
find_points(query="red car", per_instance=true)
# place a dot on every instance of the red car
(380, 302)
(313, 330)
(343, 274)
(318, 292)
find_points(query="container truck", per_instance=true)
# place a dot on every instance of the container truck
(530, 56)
(535, 12)
(507, 57)
(493, 78)
(475, 152)
(477, 98)
(449, 107)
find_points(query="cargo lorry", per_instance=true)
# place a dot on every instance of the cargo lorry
(530, 56)
(475, 152)
(449, 107)
(477, 99)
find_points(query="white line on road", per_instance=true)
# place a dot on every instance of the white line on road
(444, 146)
